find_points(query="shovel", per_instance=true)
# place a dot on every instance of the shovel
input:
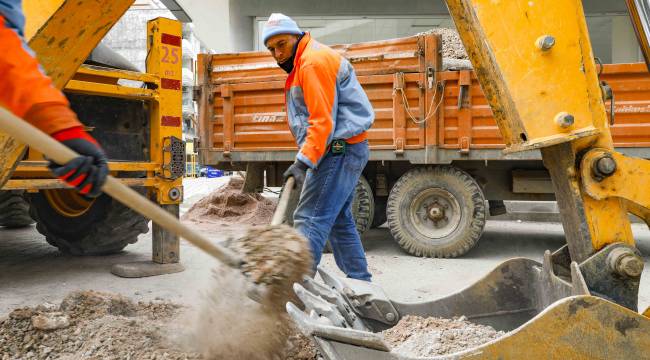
(59, 153)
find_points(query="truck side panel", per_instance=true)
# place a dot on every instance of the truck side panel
(447, 110)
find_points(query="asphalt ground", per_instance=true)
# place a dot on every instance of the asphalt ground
(33, 272)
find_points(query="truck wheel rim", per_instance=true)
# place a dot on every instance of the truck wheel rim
(67, 202)
(435, 213)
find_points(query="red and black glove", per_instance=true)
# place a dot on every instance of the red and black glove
(87, 172)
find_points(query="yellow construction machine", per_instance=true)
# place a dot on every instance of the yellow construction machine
(136, 116)
(534, 61)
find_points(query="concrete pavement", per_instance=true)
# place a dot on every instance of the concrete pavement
(33, 272)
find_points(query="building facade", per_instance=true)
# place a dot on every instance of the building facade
(236, 25)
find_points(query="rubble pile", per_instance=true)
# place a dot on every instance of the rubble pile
(90, 325)
(415, 336)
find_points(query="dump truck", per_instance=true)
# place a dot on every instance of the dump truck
(135, 116)
(436, 151)
(533, 60)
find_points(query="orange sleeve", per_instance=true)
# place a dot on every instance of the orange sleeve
(26, 91)
(319, 89)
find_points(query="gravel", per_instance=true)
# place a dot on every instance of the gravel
(110, 326)
(416, 336)
(91, 325)
(452, 46)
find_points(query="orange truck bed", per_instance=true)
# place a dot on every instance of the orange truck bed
(435, 145)
(446, 117)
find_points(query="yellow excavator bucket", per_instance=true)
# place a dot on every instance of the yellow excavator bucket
(535, 65)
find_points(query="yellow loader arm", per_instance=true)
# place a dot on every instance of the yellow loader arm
(62, 34)
(535, 65)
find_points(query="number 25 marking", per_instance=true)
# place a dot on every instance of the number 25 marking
(170, 56)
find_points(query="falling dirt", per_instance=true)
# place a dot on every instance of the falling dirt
(416, 336)
(228, 205)
(275, 257)
(226, 324)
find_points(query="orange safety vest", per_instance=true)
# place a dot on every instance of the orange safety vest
(325, 101)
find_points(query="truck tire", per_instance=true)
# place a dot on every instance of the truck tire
(80, 227)
(363, 205)
(379, 217)
(362, 208)
(436, 212)
(14, 209)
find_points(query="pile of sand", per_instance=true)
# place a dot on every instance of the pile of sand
(228, 205)
(416, 336)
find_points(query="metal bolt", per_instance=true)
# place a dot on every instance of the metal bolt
(625, 262)
(390, 317)
(545, 42)
(435, 212)
(564, 120)
(606, 165)
(174, 194)
(602, 167)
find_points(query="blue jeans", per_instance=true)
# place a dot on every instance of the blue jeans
(325, 210)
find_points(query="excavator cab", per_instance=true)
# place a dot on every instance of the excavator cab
(535, 65)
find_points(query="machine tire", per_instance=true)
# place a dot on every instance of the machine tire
(436, 212)
(14, 209)
(106, 227)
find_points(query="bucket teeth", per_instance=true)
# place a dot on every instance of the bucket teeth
(320, 289)
(321, 307)
(578, 281)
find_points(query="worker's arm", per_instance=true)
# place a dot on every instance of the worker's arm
(27, 92)
(319, 89)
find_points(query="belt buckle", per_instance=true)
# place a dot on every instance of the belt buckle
(338, 147)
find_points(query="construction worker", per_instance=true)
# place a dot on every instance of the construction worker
(328, 113)
(27, 92)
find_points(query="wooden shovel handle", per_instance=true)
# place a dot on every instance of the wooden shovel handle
(278, 215)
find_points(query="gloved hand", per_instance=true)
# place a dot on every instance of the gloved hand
(298, 170)
(87, 172)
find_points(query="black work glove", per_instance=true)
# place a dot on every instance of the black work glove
(298, 170)
(87, 172)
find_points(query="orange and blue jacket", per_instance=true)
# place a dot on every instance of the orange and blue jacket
(325, 101)
(25, 90)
